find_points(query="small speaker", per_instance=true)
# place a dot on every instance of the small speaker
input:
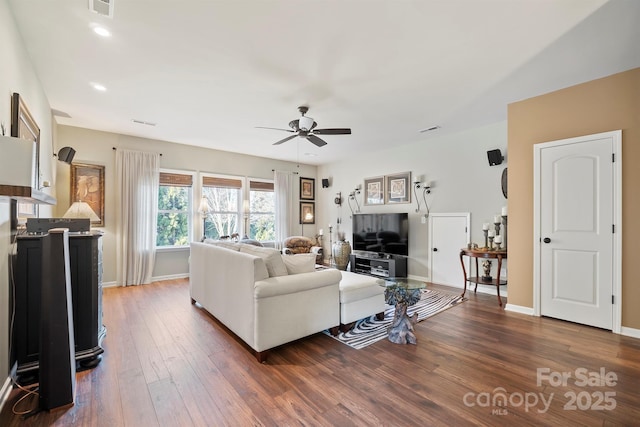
(66, 154)
(325, 182)
(495, 157)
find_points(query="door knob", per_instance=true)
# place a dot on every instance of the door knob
(546, 240)
(435, 249)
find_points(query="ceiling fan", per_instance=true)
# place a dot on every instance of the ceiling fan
(305, 127)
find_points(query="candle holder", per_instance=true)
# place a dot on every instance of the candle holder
(504, 241)
(491, 242)
(330, 247)
(486, 234)
(498, 246)
(497, 225)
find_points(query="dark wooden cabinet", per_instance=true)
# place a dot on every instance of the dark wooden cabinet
(85, 262)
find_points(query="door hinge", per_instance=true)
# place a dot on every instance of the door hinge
(465, 230)
(613, 157)
(613, 228)
(613, 300)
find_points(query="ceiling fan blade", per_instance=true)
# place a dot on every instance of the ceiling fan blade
(285, 140)
(315, 140)
(342, 131)
(262, 127)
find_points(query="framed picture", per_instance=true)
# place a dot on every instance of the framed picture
(25, 127)
(87, 185)
(374, 191)
(307, 188)
(307, 213)
(398, 188)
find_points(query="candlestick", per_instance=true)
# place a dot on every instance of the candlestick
(486, 232)
(504, 240)
(485, 226)
(492, 233)
(496, 218)
(497, 225)
(491, 242)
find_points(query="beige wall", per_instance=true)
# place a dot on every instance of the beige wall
(597, 106)
(96, 147)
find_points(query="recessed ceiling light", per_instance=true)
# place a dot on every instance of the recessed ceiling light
(98, 86)
(101, 31)
(430, 129)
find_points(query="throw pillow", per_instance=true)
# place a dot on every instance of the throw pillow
(300, 263)
(251, 242)
(272, 259)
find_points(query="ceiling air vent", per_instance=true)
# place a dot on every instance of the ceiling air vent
(102, 7)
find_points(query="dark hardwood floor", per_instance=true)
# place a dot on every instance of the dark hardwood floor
(168, 363)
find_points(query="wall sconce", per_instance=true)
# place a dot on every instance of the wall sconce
(425, 187)
(352, 196)
(204, 210)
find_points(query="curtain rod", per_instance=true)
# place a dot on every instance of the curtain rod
(292, 172)
(114, 149)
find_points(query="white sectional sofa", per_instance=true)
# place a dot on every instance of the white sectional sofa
(246, 289)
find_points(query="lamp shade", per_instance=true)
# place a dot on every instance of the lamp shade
(81, 210)
(204, 208)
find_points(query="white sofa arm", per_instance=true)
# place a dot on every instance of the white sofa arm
(293, 283)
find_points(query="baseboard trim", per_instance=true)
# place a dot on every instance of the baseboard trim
(630, 332)
(519, 309)
(153, 279)
(5, 392)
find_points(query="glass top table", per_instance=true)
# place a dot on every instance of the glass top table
(402, 292)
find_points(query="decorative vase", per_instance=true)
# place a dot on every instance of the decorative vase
(341, 252)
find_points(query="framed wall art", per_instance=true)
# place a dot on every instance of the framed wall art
(24, 126)
(374, 191)
(307, 213)
(307, 188)
(398, 188)
(87, 185)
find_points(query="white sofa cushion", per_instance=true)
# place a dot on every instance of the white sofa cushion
(272, 258)
(300, 263)
(284, 285)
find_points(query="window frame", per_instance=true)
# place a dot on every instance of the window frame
(248, 198)
(189, 211)
(241, 194)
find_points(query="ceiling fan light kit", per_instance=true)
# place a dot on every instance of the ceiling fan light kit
(305, 127)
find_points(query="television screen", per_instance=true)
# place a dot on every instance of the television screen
(386, 233)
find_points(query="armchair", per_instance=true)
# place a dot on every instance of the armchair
(302, 245)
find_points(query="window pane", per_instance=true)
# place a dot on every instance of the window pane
(262, 218)
(173, 222)
(173, 198)
(173, 229)
(224, 218)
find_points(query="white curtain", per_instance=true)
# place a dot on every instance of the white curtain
(283, 187)
(138, 176)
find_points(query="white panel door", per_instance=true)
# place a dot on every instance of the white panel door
(576, 236)
(448, 233)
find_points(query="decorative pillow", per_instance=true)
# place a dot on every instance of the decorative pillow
(300, 263)
(272, 258)
(251, 242)
(223, 244)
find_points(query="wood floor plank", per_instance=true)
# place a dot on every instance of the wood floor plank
(168, 362)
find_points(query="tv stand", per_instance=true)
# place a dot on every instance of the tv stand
(378, 264)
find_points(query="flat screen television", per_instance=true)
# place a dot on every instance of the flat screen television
(385, 233)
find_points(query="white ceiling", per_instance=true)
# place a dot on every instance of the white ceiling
(208, 72)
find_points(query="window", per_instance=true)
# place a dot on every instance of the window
(262, 211)
(224, 196)
(174, 210)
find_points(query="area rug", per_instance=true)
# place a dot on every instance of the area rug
(369, 330)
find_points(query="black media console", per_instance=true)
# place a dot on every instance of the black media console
(378, 264)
